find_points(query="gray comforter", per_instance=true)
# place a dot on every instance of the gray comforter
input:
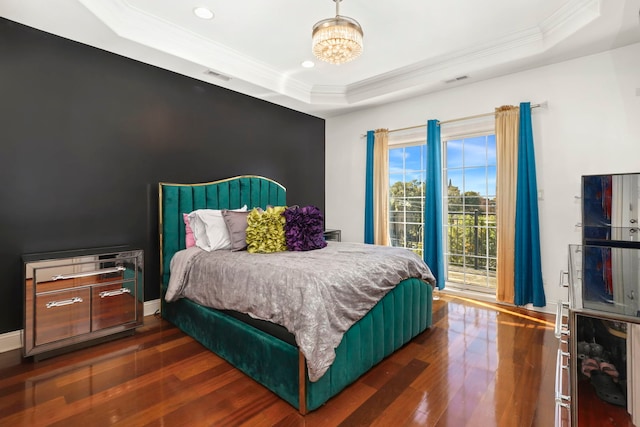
(316, 295)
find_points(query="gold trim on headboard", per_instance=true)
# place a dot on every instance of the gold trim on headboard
(223, 180)
(160, 239)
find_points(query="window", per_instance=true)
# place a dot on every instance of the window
(469, 172)
(469, 214)
(407, 171)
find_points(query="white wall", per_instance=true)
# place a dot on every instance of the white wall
(591, 126)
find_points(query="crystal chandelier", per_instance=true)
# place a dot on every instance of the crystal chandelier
(337, 40)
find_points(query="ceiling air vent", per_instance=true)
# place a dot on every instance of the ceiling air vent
(456, 79)
(217, 75)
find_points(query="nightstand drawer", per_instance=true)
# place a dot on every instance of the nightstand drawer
(113, 304)
(62, 314)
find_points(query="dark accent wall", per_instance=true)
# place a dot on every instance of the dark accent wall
(86, 135)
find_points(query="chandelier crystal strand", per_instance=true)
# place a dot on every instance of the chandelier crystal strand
(337, 40)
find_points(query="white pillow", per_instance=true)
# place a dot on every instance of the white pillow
(209, 229)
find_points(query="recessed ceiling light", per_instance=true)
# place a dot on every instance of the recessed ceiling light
(308, 64)
(203, 12)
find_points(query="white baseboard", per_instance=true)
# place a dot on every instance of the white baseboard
(150, 307)
(10, 341)
(13, 340)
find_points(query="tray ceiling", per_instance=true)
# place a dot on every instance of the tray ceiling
(411, 47)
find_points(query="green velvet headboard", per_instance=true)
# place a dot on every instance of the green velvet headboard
(232, 193)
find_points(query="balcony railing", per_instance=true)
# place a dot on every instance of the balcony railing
(471, 243)
(472, 235)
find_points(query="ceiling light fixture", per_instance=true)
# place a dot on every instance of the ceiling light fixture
(337, 40)
(203, 12)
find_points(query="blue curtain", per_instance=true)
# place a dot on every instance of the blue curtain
(528, 267)
(368, 194)
(433, 252)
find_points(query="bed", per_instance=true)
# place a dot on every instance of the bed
(264, 351)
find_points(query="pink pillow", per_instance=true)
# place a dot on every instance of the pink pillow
(189, 239)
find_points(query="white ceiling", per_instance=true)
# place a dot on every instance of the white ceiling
(411, 46)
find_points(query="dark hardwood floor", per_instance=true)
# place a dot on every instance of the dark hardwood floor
(478, 365)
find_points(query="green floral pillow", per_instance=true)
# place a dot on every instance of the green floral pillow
(265, 230)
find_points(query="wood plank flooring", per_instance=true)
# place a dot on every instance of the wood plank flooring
(479, 365)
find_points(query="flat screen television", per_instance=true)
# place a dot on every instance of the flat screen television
(610, 251)
(610, 210)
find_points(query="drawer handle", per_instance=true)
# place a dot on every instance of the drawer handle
(73, 300)
(89, 273)
(114, 293)
(561, 398)
(560, 328)
(559, 420)
(564, 284)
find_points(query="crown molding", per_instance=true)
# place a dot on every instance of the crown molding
(140, 27)
(573, 16)
(437, 70)
(329, 95)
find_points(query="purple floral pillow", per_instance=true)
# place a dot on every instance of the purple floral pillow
(304, 228)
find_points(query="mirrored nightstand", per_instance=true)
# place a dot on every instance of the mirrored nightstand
(333, 235)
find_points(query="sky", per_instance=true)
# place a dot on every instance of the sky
(469, 164)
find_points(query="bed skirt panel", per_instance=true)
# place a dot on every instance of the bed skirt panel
(401, 315)
(268, 360)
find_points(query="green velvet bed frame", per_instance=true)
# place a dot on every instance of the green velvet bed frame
(401, 315)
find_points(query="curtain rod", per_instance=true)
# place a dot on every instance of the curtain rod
(542, 104)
